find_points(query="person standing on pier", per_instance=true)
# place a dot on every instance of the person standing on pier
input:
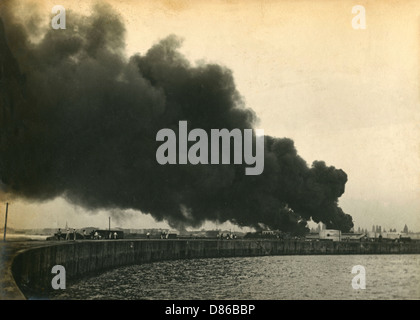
(68, 234)
(74, 234)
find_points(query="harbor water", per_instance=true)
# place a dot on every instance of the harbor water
(317, 277)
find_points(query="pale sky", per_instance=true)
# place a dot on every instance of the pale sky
(348, 97)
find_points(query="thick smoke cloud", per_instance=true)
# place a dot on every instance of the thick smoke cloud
(79, 120)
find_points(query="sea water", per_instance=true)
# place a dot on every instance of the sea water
(294, 277)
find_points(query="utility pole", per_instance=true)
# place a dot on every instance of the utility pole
(109, 223)
(5, 222)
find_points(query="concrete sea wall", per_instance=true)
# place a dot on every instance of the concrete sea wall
(32, 267)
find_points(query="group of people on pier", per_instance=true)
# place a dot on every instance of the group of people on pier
(228, 236)
(68, 234)
(94, 235)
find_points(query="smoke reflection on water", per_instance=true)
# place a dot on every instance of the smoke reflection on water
(257, 278)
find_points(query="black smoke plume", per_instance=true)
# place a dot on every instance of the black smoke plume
(79, 120)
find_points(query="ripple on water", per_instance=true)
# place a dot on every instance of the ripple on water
(255, 278)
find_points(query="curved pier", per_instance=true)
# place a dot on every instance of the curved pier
(27, 266)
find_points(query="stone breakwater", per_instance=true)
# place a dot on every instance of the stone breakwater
(31, 267)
